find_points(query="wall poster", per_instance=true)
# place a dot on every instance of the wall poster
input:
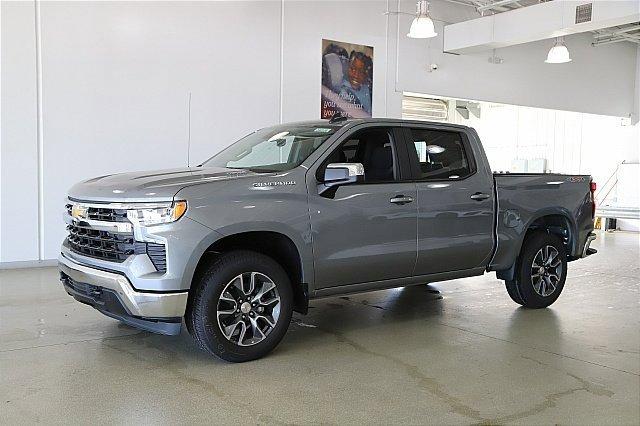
(347, 79)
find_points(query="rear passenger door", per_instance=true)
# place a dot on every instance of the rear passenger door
(455, 200)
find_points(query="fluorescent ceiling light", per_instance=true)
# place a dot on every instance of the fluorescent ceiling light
(422, 25)
(558, 54)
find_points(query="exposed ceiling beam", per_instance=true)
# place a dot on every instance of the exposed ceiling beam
(463, 3)
(618, 31)
(617, 34)
(495, 4)
(615, 40)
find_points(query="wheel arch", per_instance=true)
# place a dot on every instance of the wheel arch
(275, 244)
(555, 220)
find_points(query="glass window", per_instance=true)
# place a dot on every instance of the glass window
(373, 148)
(273, 149)
(441, 154)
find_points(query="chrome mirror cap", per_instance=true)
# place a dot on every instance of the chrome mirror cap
(354, 169)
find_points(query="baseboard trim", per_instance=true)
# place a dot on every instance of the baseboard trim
(28, 264)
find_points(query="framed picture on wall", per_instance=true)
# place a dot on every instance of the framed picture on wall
(347, 79)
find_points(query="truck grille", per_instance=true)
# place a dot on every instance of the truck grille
(103, 244)
(103, 214)
(114, 247)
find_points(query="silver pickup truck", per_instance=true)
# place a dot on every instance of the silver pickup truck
(312, 209)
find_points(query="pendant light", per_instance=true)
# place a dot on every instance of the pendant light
(422, 25)
(558, 54)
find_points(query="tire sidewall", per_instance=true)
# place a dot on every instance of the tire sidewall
(525, 285)
(215, 280)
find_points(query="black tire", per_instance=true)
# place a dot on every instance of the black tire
(525, 289)
(202, 319)
(512, 289)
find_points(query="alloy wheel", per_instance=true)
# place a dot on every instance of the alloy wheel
(248, 308)
(546, 271)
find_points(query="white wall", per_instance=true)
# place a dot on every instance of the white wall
(116, 78)
(18, 148)
(306, 23)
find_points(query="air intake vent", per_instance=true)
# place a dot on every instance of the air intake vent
(158, 255)
(583, 13)
(415, 108)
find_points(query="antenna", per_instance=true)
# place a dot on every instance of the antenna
(189, 130)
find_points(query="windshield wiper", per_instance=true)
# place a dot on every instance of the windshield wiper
(262, 170)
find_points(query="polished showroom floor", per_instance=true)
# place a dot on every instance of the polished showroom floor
(457, 352)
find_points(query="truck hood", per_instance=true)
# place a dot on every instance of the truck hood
(150, 186)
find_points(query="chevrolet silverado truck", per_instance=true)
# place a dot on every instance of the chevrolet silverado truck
(306, 210)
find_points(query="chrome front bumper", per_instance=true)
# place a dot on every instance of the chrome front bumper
(138, 304)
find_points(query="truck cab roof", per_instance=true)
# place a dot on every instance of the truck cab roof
(380, 120)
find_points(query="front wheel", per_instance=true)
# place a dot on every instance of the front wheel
(242, 306)
(541, 271)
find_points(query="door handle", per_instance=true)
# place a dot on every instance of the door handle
(479, 196)
(401, 199)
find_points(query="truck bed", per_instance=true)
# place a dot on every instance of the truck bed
(522, 198)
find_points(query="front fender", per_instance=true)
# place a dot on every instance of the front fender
(197, 253)
(259, 203)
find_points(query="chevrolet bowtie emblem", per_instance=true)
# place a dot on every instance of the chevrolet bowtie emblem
(79, 212)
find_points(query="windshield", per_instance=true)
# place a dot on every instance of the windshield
(273, 149)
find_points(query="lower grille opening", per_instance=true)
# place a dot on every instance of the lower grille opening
(98, 297)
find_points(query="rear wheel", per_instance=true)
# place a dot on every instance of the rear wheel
(242, 306)
(541, 271)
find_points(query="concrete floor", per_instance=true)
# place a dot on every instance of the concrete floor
(459, 352)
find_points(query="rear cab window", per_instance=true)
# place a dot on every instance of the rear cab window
(440, 154)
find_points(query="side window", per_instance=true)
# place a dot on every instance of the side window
(374, 149)
(441, 154)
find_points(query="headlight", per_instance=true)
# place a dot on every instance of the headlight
(152, 215)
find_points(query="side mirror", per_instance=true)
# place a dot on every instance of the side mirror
(337, 174)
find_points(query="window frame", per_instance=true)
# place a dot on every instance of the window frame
(414, 160)
(401, 162)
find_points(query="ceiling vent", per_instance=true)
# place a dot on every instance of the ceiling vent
(583, 13)
(424, 109)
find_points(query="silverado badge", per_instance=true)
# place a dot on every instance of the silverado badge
(276, 183)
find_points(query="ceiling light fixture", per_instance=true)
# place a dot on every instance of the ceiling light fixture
(422, 25)
(558, 54)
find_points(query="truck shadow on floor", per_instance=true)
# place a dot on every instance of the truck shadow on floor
(416, 311)
(371, 313)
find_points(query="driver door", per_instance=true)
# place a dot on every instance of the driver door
(365, 232)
